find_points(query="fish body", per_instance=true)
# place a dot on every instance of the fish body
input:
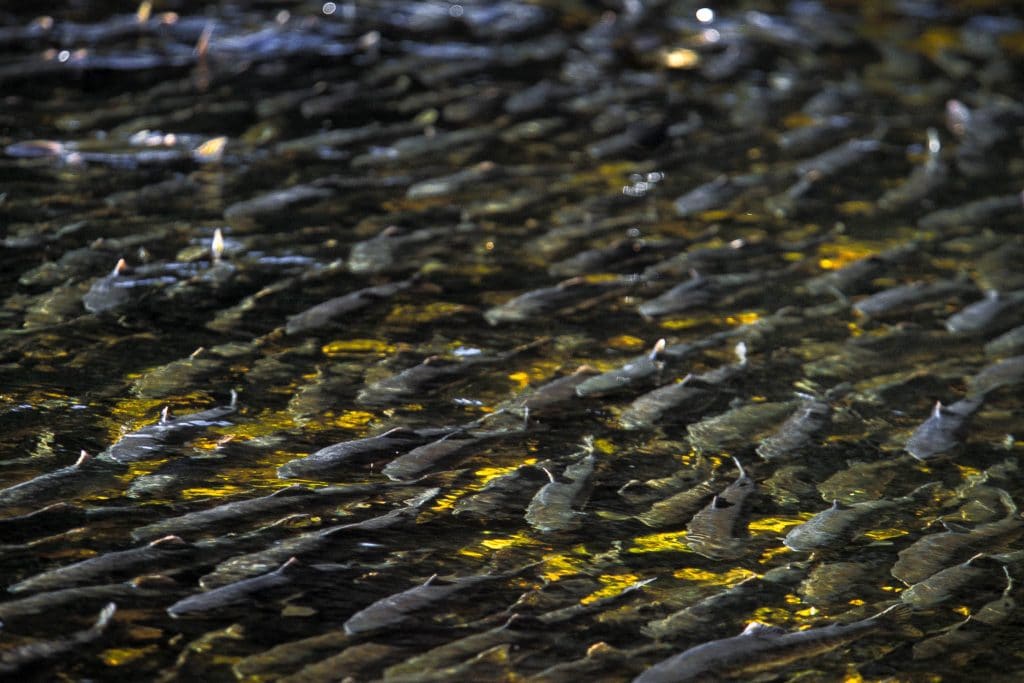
(679, 398)
(763, 648)
(933, 552)
(945, 584)
(993, 313)
(15, 658)
(64, 482)
(835, 526)
(711, 531)
(148, 442)
(232, 593)
(396, 608)
(551, 508)
(117, 563)
(635, 371)
(1007, 372)
(899, 299)
(797, 432)
(943, 431)
(328, 312)
(346, 453)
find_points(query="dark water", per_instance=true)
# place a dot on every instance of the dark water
(435, 161)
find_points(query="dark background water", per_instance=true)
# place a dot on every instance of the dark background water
(126, 138)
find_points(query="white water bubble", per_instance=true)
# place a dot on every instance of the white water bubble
(705, 15)
(329, 8)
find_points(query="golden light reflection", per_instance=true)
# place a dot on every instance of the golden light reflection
(124, 655)
(557, 566)
(729, 577)
(672, 541)
(680, 58)
(613, 585)
(340, 347)
(777, 525)
(885, 534)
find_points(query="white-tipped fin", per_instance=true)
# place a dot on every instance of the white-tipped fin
(234, 399)
(741, 352)
(106, 614)
(659, 347)
(83, 457)
(937, 410)
(120, 268)
(165, 415)
(217, 246)
(548, 472)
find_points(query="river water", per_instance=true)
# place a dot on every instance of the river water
(238, 234)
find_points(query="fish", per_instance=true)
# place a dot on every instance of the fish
(1009, 342)
(277, 201)
(797, 432)
(567, 294)
(410, 465)
(971, 213)
(329, 312)
(394, 609)
(267, 559)
(233, 593)
(505, 496)
(65, 482)
(813, 136)
(704, 616)
(994, 313)
(961, 636)
(856, 277)
(292, 497)
(679, 399)
(947, 583)
(837, 525)
(348, 453)
(924, 181)
(549, 397)
(715, 194)
(1007, 372)
(832, 582)
(933, 552)
(736, 427)
(551, 508)
(761, 648)
(697, 292)
(842, 156)
(116, 563)
(149, 441)
(634, 371)
(899, 299)
(710, 532)
(56, 516)
(457, 650)
(13, 659)
(942, 433)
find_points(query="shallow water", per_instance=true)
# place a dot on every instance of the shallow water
(442, 160)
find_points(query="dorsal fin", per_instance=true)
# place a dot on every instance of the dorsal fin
(937, 410)
(659, 347)
(165, 415)
(83, 457)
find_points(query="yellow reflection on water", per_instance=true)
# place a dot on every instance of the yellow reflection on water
(123, 655)
(777, 525)
(613, 584)
(340, 347)
(673, 541)
(885, 534)
(729, 577)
